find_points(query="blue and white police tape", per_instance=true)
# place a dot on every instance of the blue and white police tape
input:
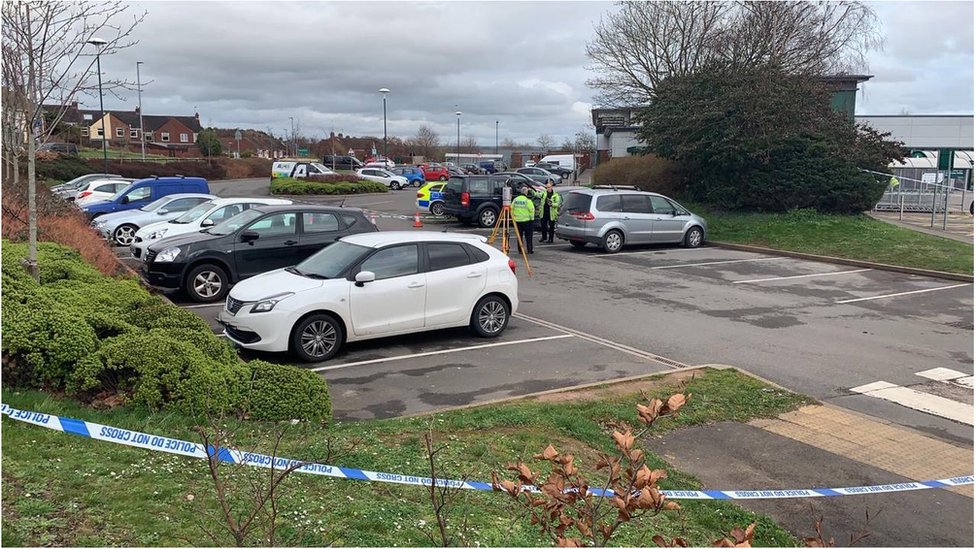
(191, 449)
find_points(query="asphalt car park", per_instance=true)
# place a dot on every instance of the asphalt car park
(817, 328)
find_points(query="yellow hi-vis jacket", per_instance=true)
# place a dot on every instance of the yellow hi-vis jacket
(522, 209)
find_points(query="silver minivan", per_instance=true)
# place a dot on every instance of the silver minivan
(612, 218)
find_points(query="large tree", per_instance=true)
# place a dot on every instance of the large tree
(763, 139)
(48, 59)
(643, 43)
(425, 143)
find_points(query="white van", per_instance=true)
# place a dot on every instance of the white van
(562, 160)
(298, 169)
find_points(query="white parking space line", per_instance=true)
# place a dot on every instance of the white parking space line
(947, 375)
(917, 400)
(441, 352)
(798, 276)
(718, 263)
(645, 252)
(203, 305)
(902, 293)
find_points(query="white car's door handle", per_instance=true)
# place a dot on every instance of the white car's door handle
(474, 275)
(416, 285)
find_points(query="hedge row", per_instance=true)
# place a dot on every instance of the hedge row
(67, 167)
(90, 335)
(290, 186)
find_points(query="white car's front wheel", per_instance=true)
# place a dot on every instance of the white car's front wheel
(317, 338)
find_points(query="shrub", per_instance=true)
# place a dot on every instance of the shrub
(237, 168)
(285, 392)
(647, 173)
(63, 167)
(141, 170)
(291, 186)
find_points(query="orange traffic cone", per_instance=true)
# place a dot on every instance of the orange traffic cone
(416, 221)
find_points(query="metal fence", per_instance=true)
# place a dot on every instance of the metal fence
(932, 195)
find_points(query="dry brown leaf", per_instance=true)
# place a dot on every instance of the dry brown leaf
(568, 542)
(548, 454)
(671, 506)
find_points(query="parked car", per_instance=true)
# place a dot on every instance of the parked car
(144, 191)
(62, 148)
(121, 227)
(565, 161)
(395, 182)
(529, 163)
(455, 171)
(473, 169)
(612, 218)
(298, 169)
(429, 198)
(204, 215)
(554, 168)
(258, 240)
(479, 197)
(384, 163)
(98, 189)
(374, 285)
(415, 176)
(69, 189)
(342, 162)
(492, 166)
(540, 175)
(435, 172)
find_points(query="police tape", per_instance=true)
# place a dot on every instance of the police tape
(168, 445)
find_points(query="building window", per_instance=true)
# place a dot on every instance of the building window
(84, 132)
(134, 134)
(119, 132)
(165, 136)
(184, 138)
(148, 136)
(100, 132)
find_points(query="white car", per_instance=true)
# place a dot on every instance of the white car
(385, 164)
(100, 189)
(395, 182)
(374, 285)
(121, 227)
(202, 216)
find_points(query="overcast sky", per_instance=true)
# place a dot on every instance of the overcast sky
(255, 64)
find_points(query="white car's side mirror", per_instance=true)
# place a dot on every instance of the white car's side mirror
(362, 277)
(207, 223)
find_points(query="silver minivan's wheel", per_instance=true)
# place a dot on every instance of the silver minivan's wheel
(613, 241)
(437, 208)
(207, 283)
(487, 218)
(394, 185)
(694, 237)
(317, 338)
(125, 234)
(490, 316)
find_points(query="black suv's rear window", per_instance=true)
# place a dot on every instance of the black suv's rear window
(577, 202)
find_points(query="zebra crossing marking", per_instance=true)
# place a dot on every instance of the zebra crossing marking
(917, 400)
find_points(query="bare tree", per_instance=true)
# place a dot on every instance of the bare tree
(634, 49)
(469, 144)
(42, 44)
(585, 140)
(425, 143)
(546, 142)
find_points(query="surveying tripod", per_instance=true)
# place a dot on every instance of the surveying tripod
(503, 223)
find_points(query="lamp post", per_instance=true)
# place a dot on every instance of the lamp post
(384, 91)
(292, 138)
(98, 43)
(458, 159)
(142, 137)
(496, 138)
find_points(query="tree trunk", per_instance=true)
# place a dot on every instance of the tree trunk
(32, 108)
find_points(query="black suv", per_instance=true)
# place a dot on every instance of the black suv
(342, 162)
(63, 148)
(479, 197)
(258, 240)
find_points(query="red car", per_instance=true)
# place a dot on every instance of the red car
(435, 172)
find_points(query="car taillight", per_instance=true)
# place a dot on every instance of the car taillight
(512, 265)
(465, 199)
(84, 194)
(585, 216)
(420, 195)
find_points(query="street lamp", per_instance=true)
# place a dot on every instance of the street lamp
(292, 139)
(496, 138)
(458, 159)
(98, 43)
(384, 91)
(141, 130)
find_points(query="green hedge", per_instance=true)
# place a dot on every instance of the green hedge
(287, 185)
(81, 332)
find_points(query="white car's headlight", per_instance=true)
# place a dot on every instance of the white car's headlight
(157, 234)
(269, 303)
(168, 255)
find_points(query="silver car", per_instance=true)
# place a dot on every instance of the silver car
(120, 227)
(70, 189)
(612, 218)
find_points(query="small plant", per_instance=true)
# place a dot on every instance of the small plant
(442, 497)
(574, 511)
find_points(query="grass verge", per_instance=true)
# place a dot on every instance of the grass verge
(848, 236)
(60, 489)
